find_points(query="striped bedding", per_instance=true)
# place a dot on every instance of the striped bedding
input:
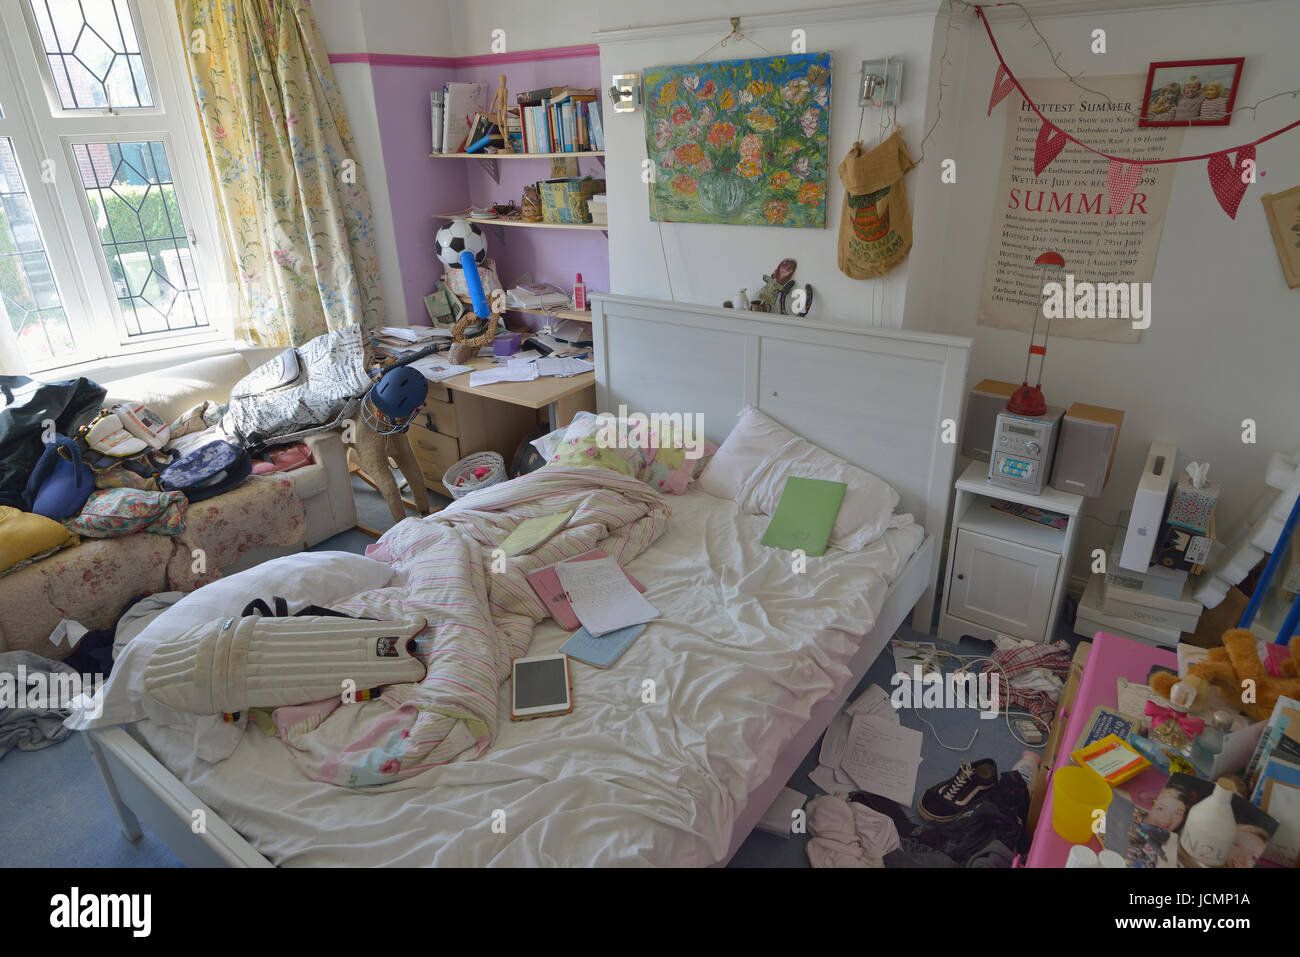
(480, 619)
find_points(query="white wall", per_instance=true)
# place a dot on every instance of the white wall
(1225, 336)
(707, 263)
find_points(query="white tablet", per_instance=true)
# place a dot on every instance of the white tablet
(540, 687)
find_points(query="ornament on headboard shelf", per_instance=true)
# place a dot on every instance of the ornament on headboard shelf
(778, 294)
(1028, 399)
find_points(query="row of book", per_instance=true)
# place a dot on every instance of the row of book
(560, 120)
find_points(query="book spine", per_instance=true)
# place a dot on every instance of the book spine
(544, 114)
(597, 129)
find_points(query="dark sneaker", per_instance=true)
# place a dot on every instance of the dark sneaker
(949, 800)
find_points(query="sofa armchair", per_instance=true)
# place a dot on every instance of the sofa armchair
(264, 517)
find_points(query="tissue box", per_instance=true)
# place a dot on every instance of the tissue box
(1192, 508)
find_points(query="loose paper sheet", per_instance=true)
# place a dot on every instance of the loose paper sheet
(520, 373)
(601, 596)
(883, 757)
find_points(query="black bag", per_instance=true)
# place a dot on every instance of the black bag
(25, 405)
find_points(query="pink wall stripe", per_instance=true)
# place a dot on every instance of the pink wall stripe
(453, 62)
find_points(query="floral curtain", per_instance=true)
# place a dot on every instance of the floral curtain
(291, 194)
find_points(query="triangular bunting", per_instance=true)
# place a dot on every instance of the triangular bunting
(1121, 179)
(1050, 143)
(1002, 85)
(1229, 179)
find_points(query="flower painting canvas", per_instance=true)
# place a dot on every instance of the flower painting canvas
(742, 142)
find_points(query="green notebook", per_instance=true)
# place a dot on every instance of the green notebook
(805, 515)
(533, 533)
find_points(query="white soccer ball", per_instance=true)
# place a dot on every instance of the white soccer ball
(455, 238)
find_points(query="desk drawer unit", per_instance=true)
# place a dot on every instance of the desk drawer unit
(435, 452)
(439, 416)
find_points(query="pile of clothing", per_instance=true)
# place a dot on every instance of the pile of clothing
(976, 818)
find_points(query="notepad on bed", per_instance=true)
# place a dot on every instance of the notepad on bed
(602, 597)
(603, 651)
(546, 583)
(533, 533)
(805, 515)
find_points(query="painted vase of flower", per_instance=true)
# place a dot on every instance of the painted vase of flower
(1210, 829)
(722, 193)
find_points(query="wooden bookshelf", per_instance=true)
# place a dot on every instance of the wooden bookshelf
(598, 154)
(576, 315)
(499, 221)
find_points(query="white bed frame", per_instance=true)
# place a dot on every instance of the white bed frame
(878, 398)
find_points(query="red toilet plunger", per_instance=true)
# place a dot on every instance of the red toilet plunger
(1028, 400)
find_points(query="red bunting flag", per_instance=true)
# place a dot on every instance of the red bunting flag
(1002, 85)
(1229, 179)
(1050, 143)
(1121, 179)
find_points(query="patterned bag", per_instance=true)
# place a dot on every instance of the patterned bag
(215, 468)
(876, 224)
(296, 395)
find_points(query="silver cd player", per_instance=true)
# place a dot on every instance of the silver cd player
(1023, 446)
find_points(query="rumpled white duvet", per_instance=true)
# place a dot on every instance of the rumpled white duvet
(660, 753)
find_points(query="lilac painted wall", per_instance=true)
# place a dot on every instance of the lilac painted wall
(420, 187)
(416, 190)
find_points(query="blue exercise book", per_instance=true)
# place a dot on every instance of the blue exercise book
(603, 651)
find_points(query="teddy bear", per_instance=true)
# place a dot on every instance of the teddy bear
(1237, 661)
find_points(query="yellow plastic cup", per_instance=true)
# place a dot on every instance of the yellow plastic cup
(1077, 794)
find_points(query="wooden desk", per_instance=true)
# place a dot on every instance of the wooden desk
(459, 419)
(561, 397)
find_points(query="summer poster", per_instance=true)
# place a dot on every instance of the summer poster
(741, 142)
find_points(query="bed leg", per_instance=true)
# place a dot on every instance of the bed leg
(125, 816)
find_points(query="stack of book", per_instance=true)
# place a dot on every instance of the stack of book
(561, 120)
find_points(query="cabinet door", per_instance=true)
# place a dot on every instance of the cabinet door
(1002, 585)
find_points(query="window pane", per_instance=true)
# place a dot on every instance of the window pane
(29, 299)
(93, 52)
(133, 202)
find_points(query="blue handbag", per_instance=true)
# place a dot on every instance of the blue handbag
(61, 482)
(208, 471)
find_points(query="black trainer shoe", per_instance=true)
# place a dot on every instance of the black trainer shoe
(949, 800)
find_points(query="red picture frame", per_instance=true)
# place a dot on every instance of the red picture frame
(1191, 92)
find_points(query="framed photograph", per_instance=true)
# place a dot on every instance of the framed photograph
(1191, 92)
(1283, 212)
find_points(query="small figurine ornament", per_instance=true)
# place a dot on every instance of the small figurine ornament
(780, 295)
(500, 113)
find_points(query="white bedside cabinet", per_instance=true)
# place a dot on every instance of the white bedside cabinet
(1006, 575)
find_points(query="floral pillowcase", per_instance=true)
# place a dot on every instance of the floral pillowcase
(657, 457)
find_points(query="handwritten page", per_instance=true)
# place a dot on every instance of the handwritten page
(874, 700)
(602, 597)
(883, 757)
(520, 373)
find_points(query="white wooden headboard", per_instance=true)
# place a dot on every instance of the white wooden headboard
(878, 398)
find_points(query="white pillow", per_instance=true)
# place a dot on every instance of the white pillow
(766, 453)
(307, 578)
(753, 442)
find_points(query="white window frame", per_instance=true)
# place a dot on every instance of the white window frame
(40, 128)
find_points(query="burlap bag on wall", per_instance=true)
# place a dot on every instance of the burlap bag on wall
(876, 224)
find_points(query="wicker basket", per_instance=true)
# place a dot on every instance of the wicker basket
(463, 472)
